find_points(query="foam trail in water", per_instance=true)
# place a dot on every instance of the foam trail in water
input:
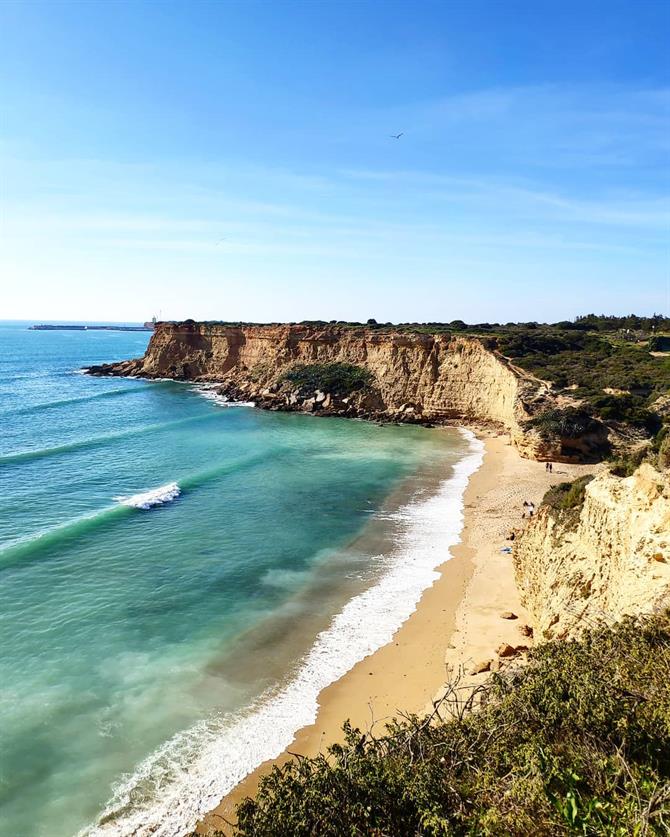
(153, 497)
(190, 773)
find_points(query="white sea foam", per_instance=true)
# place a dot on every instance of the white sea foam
(153, 497)
(209, 392)
(191, 772)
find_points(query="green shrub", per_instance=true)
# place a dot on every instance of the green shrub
(660, 447)
(337, 378)
(567, 423)
(626, 408)
(577, 742)
(567, 496)
(664, 452)
(629, 461)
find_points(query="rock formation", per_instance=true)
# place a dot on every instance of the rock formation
(598, 563)
(414, 377)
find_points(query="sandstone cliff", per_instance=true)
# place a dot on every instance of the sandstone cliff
(598, 563)
(415, 377)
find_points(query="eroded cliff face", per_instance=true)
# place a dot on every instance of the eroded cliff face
(609, 560)
(416, 377)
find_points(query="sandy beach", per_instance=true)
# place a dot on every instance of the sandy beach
(457, 625)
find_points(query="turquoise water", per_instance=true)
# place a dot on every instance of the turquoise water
(166, 565)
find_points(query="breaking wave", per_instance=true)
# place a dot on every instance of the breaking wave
(153, 497)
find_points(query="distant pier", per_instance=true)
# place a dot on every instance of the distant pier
(145, 327)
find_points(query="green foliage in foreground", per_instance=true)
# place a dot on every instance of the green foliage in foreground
(578, 742)
(339, 378)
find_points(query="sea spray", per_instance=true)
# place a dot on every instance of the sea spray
(190, 773)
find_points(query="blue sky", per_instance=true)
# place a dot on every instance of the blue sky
(232, 160)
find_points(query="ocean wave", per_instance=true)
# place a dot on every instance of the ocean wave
(154, 497)
(33, 545)
(98, 441)
(190, 773)
(67, 402)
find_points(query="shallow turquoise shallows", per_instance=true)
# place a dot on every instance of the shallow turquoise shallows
(178, 578)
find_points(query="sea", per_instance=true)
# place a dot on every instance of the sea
(181, 576)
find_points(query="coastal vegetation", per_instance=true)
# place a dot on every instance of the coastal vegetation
(576, 742)
(567, 496)
(338, 378)
(568, 423)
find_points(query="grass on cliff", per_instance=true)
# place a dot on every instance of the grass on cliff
(337, 378)
(577, 742)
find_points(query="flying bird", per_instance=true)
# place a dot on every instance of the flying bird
(396, 136)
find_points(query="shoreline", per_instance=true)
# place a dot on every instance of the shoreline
(456, 625)
(401, 547)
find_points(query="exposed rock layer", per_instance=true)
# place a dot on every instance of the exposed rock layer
(611, 560)
(416, 377)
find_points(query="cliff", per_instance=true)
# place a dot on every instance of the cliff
(413, 377)
(597, 563)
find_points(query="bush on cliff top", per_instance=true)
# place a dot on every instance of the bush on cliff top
(567, 496)
(577, 742)
(337, 378)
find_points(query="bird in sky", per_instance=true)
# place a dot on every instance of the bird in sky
(396, 136)
(220, 240)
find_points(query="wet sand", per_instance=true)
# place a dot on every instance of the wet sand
(457, 624)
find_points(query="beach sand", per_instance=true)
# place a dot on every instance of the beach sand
(457, 623)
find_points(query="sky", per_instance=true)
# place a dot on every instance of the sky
(235, 160)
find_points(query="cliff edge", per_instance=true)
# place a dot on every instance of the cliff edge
(411, 377)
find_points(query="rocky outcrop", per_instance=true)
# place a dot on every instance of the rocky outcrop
(414, 377)
(596, 564)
